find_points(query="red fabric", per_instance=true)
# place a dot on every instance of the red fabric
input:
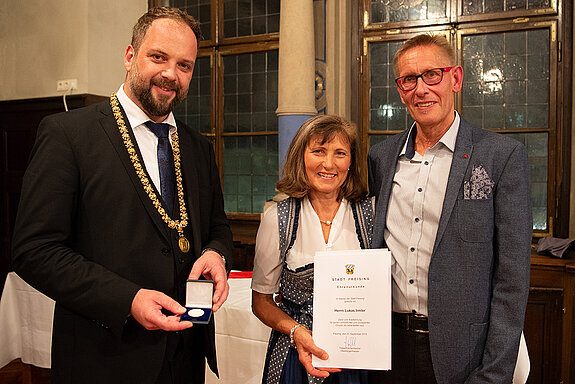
(240, 275)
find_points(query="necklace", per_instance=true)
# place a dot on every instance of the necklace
(178, 225)
(328, 222)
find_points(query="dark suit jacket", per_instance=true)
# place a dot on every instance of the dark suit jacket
(88, 236)
(479, 269)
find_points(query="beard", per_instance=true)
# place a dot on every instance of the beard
(160, 106)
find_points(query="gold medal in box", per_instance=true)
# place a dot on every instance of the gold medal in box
(199, 297)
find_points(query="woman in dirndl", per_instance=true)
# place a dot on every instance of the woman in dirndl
(326, 209)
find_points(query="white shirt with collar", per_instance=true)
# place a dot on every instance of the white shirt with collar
(268, 262)
(146, 139)
(413, 215)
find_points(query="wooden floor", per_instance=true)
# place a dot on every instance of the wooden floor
(19, 373)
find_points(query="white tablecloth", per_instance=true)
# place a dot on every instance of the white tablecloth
(241, 339)
(25, 323)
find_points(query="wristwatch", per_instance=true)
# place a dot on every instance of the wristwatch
(216, 251)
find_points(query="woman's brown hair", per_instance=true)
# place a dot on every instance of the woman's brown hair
(294, 181)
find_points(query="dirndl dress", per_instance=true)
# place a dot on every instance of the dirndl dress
(282, 365)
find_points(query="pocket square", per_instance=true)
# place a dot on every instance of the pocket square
(479, 185)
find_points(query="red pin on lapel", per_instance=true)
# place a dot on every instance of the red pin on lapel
(465, 156)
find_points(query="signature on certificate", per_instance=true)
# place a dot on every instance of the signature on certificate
(350, 341)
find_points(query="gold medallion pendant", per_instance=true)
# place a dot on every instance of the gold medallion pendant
(184, 244)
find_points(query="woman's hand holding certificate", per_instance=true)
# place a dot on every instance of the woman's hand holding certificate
(306, 348)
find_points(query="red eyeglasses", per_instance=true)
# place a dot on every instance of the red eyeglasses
(429, 77)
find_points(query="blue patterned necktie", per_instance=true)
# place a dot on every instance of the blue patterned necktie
(165, 163)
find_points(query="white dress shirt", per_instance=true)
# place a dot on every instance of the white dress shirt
(309, 239)
(147, 141)
(413, 215)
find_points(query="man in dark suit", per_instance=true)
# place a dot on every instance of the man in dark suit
(453, 206)
(112, 235)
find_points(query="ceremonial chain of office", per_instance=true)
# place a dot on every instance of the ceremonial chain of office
(179, 225)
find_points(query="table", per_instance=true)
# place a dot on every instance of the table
(241, 339)
(25, 323)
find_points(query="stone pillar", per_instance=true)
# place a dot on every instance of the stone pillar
(296, 78)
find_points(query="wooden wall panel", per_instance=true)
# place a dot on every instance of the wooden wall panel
(19, 121)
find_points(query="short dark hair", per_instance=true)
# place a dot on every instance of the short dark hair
(144, 22)
(294, 182)
(438, 40)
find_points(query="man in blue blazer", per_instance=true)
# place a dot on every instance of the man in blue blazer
(453, 206)
(100, 232)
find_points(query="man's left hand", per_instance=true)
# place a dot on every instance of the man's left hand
(212, 267)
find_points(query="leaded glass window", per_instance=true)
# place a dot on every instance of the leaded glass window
(251, 17)
(250, 92)
(200, 10)
(390, 11)
(196, 109)
(506, 79)
(250, 172)
(474, 7)
(250, 101)
(386, 111)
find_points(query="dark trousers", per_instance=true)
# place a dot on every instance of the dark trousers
(182, 364)
(410, 360)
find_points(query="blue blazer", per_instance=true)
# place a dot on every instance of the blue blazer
(479, 269)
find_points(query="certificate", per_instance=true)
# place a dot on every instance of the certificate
(352, 308)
